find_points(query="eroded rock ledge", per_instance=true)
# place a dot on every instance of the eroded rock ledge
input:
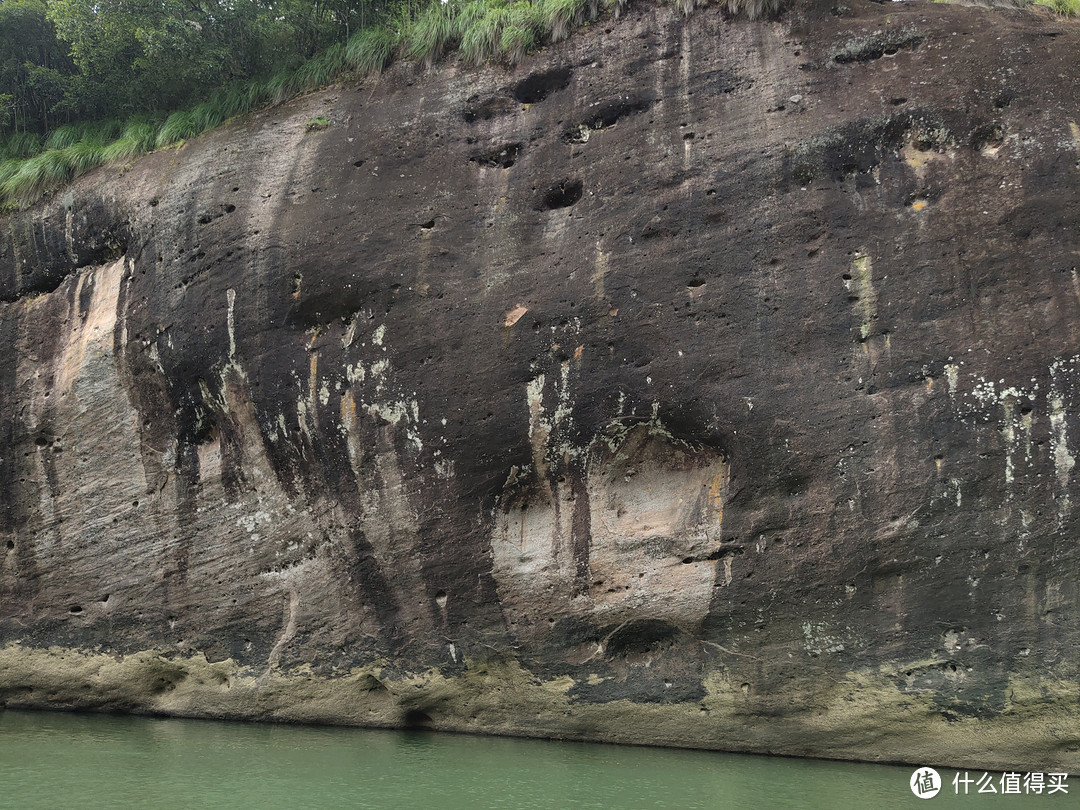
(699, 383)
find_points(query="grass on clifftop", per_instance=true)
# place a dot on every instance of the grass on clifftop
(477, 31)
(1066, 8)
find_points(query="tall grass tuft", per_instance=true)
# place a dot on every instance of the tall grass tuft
(137, 138)
(83, 156)
(70, 134)
(1066, 8)
(470, 12)
(255, 95)
(179, 126)
(753, 9)
(371, 50)
(64, 136)
(36, 175)
(320, 70)
(103, 131)
(7, 169)
(432, 33)
(520, 32)
(207, 115)
(236, 99)
(20, 145)
(619, 6)
(560, 17)
(480, 36)
(281, 86)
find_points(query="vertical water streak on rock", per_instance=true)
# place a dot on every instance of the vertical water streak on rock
(178, 556)
(580, 525)
(18, 563)
(353, 471)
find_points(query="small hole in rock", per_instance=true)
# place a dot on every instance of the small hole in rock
(561, 195)
(539, 86)
(74, 609)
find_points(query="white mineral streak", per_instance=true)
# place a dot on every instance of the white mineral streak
(230, 296)
(1018, 421)
(1064, 461)
(952, 374)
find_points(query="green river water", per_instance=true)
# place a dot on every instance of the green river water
(98, 761)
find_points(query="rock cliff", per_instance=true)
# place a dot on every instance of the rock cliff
(700, 382)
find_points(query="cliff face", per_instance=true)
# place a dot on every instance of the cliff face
(702, 383)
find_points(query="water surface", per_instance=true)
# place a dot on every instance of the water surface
(98, 761)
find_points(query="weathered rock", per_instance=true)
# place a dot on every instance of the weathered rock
(703, 383)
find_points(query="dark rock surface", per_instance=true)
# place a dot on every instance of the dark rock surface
(703, 383)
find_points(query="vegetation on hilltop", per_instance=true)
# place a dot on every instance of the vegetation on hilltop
(87, 82)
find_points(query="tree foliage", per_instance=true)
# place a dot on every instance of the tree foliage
(66, 60)
(34, 67)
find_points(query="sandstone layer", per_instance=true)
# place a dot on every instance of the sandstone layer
(700, 382)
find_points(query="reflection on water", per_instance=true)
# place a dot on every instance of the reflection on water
(97, 761)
